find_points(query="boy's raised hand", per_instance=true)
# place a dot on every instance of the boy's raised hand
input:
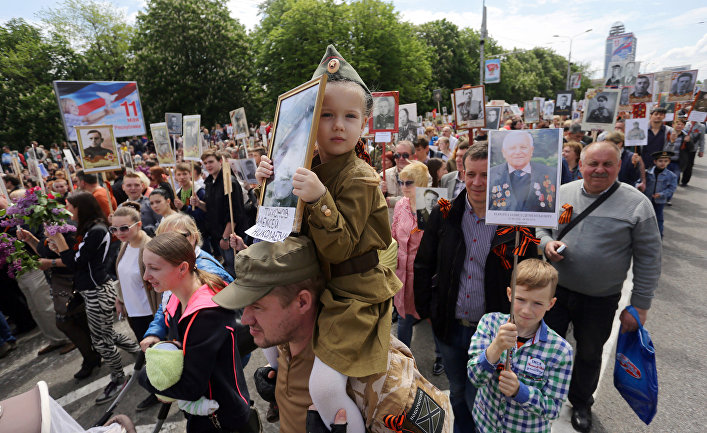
(505, 339)
(508, 383)
(264, 170)
(307, 186)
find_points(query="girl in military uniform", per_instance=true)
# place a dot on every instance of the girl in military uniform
(347, 217)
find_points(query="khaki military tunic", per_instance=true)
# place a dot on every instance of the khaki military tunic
(353, 327)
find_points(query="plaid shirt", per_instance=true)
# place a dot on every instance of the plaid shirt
(544, 368)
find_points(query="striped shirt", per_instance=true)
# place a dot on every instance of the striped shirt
(471, 303)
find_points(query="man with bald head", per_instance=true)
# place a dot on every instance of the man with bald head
(519, 184)
(621, 230)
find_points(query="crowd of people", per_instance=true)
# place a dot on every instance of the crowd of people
(166, 249)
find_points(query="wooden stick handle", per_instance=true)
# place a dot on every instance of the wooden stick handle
(511, 319)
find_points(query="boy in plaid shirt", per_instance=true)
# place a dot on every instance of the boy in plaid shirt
(530, 395)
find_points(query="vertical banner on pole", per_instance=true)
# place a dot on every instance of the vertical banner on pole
(492, 71)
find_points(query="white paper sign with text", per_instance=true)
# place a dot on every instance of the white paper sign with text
(274, 224)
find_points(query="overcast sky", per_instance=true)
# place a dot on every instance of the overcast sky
(667, 36)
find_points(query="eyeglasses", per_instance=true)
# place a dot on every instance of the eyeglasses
(121, 229)
(406, 182)
(403, 155)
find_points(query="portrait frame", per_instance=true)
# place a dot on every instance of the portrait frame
(238, 121)
(593, 120)
(94, 164)
(297, 112)
(698, 111)
(163, 145)
(673, 95)
(410, 133)
(174, 123)
(621, 64)
(395, 95)
(625, 98)
(422, 211)
(478, 99)
(563, 111)
(192, 141)
(528, 115)
(632, 138)
(491, 125)
(633, 98)
(538, 207)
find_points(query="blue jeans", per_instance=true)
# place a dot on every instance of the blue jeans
(659, 215)
(461, 391)
(5, 333)
(674, 166)
(405, 325)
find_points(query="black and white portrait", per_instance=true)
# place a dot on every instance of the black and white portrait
(385, 110)
(636, 132)
(531, 111)
(407, 122)
(563, 103)
(601, 108)
(425, 200)
(191, 142)
(163, 146)
(548, 110)
(174, 123)
(470, 104)
(240, 124)
(493, 118)
(629, 74)
(682, 85)
(614, 75)
(642, 89)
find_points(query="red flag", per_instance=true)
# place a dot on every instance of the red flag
(434, 113)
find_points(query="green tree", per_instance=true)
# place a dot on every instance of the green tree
(97, 30)
(29, 62)
(191, 57)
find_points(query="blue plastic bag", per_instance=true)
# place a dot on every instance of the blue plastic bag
(635, 374)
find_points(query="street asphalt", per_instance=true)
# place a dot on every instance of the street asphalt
(674, 322)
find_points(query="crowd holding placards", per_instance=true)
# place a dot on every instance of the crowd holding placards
(322, 304)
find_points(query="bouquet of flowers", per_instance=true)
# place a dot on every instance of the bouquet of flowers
(38, 209)
(13, 252)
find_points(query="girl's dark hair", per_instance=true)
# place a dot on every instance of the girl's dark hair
(89, 211)
(367, 98)
(433, 166)
(167, 196)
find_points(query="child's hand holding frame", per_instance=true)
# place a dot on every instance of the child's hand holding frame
(305, 183)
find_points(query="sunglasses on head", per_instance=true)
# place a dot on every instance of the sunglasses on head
(121, 229)
(403, 155)
(406, 182)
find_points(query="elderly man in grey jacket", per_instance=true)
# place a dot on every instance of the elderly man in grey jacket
(620, 231)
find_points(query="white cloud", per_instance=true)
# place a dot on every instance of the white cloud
(246, 11)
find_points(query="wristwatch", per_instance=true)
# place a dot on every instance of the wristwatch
(224, 239)
(53, 263)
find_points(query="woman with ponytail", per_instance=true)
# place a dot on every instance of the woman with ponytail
(206, 333)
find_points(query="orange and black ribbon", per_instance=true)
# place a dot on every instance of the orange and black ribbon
(361, 152)
(444, 206)
(500, 251)
(526, 235)
(394, 423)
(566, 215)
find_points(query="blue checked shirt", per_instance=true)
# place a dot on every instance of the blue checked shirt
(544, 368)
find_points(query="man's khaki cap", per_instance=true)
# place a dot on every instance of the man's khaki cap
(264, 265)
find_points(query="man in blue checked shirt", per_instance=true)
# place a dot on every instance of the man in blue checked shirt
(529, 395)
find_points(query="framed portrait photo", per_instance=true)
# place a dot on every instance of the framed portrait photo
(641, 91)
(239, 123)
(407, 122)
(163, 146)
(524, 173)
(563, 103)
(600, 109)
(493, 118)
(698, 112)
(98, 148)
(531, 111)
(636, 132)
(470, 107)
(174, 123)
(192, 138)
(682, 85)
(624, 100)
(294, 134)
(384, 117)
(425, 200)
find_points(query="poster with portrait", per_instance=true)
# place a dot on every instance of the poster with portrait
(682, 84)
(524, 173)
(624, 99)
(384, 117)
(614, 74)
(174, 123)
(192, 138)
(245, 169)
(469, 109)
(114, 103)
(425, 200)
(531, 111)
(548, 110)
(407, 122)
(630, 71)
(563, 103)
(294, 134)
(516, 109)
(97, 148)
(600, 109)
(575, 80)
(239, 122)
(698, 113)
(163, 145)
(636, 132)
(493, 118)
(642, 90)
